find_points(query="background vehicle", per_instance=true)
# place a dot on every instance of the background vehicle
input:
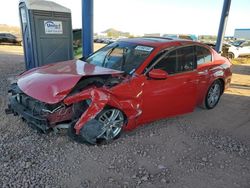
(239, 48)
(120, 87)
(10, 38)
(181, 36)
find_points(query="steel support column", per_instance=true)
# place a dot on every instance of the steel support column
(87, 27)
(223, 24)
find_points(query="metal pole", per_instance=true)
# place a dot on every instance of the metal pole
(223, 25)
(87, 27)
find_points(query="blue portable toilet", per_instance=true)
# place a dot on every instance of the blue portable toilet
(47, 32)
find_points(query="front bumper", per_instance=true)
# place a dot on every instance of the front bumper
(20, 104)
(33, 120)
(37, 114)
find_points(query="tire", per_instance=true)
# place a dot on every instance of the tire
(93, 132)
(116, 128)
(80, 107)
(106, 127)
(231, 55)
(213, 94)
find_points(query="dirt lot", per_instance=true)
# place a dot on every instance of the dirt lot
(207, 148)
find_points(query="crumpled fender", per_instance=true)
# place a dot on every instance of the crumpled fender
(98, 101)
(100, 97)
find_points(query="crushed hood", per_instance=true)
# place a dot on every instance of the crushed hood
(53, 82)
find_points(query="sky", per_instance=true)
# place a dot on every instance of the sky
(150, 16)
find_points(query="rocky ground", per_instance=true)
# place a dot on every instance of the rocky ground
(201, 149)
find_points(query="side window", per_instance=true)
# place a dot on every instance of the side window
(186, 59)
(203, 55)
(12, 36)
(179, 60)
(9, 36)
(168, 63)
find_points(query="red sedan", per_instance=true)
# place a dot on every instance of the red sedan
(120, 87)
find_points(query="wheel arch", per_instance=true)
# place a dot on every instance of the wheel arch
(222, 81)
(232, 54)
(223, 84)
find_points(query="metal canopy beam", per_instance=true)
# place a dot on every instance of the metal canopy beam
(87, 27)
(223, 25)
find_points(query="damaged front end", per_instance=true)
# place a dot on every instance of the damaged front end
(37, 114)
(97, 108)
(108, 112)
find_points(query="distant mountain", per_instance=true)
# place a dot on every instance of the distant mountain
(4, 28)
(111, 32)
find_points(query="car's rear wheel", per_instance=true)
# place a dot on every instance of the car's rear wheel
(213, 95)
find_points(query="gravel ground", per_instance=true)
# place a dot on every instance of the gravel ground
(201, 149)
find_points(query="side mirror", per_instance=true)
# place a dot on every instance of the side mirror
(158, 74)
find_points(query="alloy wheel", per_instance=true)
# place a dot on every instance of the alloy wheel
(112, 120)
(214, 95)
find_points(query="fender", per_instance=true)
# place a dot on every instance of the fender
(101, 97)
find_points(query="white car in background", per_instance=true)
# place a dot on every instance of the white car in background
(239, 48)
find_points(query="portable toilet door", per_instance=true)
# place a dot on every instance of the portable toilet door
(27, 45)
(47, 32)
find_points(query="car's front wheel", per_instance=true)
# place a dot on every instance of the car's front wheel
(112, 120)
(213, 95)
(106, 127)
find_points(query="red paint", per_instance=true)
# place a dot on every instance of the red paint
(142, 99)
(53, 82)
(100, 97)
(158, 74)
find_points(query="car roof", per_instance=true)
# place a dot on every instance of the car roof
(158, 41)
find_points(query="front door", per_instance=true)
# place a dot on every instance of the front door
(177, 93)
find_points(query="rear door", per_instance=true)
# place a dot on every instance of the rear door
(176, 94)
(204, 65)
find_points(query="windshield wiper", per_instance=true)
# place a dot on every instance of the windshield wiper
(108, 54)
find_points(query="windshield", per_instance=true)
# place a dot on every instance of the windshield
(121, 56)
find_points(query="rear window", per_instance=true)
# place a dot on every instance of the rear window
(203, 55)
